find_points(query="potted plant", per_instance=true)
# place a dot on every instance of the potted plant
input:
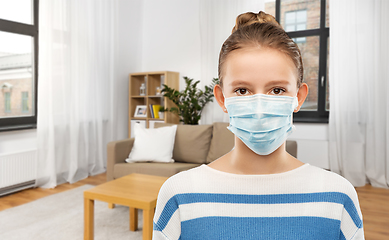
(190, 101)
(161, 112)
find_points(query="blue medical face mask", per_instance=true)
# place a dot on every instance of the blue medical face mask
(262, 122)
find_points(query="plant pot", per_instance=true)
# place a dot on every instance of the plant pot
(161, 115)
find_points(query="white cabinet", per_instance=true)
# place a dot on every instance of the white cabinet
(133, 122)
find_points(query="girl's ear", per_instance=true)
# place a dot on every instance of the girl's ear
(218, 93)
(301, 95)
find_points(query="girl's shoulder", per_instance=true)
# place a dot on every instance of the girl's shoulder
(321, 180)
(327, 178)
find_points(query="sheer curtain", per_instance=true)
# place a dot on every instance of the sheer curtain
(359, 86)
(76, 89)
(217, 18)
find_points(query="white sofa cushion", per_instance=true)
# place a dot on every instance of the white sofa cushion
(152, 145)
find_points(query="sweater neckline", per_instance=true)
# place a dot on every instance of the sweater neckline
(205, 166)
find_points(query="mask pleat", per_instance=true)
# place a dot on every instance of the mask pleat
(262, 122)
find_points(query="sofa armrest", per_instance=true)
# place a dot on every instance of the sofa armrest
(117, 152)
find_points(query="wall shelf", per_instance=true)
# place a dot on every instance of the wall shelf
(152, 80)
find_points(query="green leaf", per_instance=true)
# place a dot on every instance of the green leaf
(190, 101)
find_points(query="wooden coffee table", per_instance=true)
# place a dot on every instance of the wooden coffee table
(137, 191)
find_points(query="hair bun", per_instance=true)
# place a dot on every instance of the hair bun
(246, 19)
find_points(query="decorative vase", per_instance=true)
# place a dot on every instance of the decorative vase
(142, 90)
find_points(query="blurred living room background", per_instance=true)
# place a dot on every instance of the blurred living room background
(64, 80)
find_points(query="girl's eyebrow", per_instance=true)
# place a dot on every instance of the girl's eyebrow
(277, 82)
(240, 82)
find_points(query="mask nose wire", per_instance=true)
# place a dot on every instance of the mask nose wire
(225, 108)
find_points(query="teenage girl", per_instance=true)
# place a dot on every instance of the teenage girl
(258, 190)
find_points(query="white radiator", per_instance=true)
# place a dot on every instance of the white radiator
(17, 171)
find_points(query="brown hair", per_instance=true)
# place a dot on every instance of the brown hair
(260, 29)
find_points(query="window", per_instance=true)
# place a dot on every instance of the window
(25, 102)
(296, 21)
(307, 23)
(18, 64)
(7, 101)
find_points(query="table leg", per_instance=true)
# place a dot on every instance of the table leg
(148, 216)
(111, 205)
(133, 219)
(88, 218)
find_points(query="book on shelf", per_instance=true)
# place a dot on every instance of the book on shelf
(154, 109)
(151, 111)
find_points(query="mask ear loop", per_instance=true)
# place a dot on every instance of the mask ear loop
(297, 100)
(224, 108)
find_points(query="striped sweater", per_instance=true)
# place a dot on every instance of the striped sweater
(304, 203)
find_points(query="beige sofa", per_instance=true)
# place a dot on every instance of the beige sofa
(194, 145)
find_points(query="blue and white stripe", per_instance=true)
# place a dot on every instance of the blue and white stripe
(183, 212)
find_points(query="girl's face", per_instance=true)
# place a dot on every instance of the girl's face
(250, 71)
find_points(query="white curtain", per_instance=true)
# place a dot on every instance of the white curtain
(359, 86)
(217, 18)
(76, 104)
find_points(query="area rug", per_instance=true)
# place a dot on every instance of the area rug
(61, 216)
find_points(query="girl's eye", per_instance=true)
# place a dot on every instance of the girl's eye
(241, 91)
(277, 91)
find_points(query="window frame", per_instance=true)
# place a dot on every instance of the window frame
(32, 30)
(321, 114)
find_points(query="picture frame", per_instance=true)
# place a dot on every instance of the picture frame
(140, 111)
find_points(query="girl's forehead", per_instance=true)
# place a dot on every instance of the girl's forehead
(259, 64)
